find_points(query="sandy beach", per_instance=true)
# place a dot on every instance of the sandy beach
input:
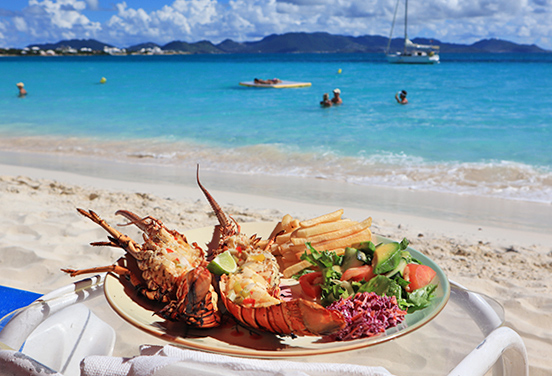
(42, 232)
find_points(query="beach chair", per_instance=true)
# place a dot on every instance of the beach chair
(55, 332)
(502, 349)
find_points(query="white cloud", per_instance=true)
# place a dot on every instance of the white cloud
(20, 24)
(458, 21)
(181, 20)
(49, 21)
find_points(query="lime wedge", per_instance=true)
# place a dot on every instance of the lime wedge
(223, 264)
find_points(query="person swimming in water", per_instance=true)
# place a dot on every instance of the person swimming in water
(22, 91)
(326, 102)
(337, 97)
(401, 97)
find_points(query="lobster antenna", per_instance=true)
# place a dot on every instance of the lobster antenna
(223, 220)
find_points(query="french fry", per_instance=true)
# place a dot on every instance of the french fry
(351, 228)
(289, 256)
(283, 238)
(275, 249)
(293, 225)
(346, 231)
(321, 228)
(288, 261)
(285, 247)
(296, 268)
(286, 220)
(298, 241)
(330, 217)
(362, 236)
(299, 248)
(328, 232)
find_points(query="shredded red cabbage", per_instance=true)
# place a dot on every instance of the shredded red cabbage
(366, 314)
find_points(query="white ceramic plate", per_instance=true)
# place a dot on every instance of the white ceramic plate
(232, 339)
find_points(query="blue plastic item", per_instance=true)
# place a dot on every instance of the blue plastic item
(12, 299)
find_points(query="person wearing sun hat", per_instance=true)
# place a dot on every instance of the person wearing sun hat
(337, 97)
(22, 91)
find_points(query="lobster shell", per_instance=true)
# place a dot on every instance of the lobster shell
(196, 301)
(294, 317)
(188, 295)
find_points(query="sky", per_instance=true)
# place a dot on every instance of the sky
(127, 23)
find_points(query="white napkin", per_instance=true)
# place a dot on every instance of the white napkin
(170, 360)
(14, 363)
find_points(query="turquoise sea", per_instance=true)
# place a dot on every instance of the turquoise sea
(475, 125)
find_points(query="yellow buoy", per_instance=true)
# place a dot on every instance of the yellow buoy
(339, 71)
(103, 80)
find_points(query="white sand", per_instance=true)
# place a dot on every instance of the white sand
(42, 232)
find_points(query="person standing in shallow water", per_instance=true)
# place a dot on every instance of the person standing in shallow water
(22, 91)
(401, 97)
(337, 97)
(326, 101)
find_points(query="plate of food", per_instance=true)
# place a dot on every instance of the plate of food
(301, 249)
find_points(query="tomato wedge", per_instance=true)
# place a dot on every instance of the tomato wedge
(358, 273)
(310, 283)
(418, 275)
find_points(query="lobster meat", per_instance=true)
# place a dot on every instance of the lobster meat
(170, 270)
(252, 293)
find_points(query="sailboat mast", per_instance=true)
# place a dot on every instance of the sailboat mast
(392, 28)
(405, 23)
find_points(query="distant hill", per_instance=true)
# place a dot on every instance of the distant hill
(73, 43)
(229, 46)
(499, 46)
(328, 43)
(376, 43)
(318, 42)
(202, 47)
(303, 42)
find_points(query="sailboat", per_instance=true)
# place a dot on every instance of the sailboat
(412, 53)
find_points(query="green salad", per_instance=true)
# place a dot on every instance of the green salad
(387, 269)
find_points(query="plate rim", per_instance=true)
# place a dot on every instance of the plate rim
(237, 350)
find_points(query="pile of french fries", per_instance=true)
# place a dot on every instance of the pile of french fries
(329, 232)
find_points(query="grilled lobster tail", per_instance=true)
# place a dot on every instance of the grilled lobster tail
(295, 317)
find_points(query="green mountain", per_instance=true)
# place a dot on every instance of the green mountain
(319, 42)
(202, 47)
(73, 43)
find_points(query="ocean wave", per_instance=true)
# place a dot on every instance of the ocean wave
(503, 179)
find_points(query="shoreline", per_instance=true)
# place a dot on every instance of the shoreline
(397, 203)
(455, 227)
(43, 233)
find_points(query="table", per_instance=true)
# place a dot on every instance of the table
(467, 337)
